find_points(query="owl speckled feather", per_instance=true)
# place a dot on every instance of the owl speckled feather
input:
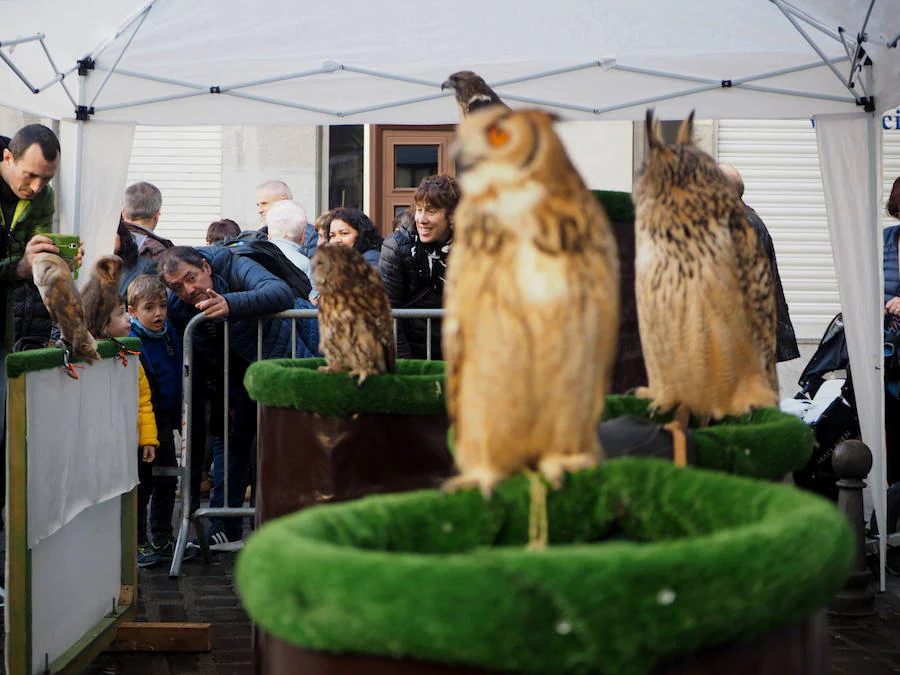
(532, 304)
(100, 293)
(53, 279)
(704, 288)
(356, 332)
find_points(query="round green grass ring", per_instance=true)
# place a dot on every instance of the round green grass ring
(647, 562)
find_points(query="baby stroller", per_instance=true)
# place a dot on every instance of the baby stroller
(826, 402)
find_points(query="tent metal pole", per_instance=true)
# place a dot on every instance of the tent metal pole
(654, 99)
(790, 17)
(878, 482)
(791, 92)
(395, 104)
(140, 13)
(19, 41)
(154, 78)
(670, 76)
(148, 101)
(119, 58)
(605, 64)
(79, 161)
(287, 104)
(280, 78)
(19, 73)
(550, 104)
(806, 18)
(786, 71)
(389, 76)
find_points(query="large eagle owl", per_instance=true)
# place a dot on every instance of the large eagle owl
(704, 288)
(54, 281)
(532, 304)
(472, 92)
(356, 332)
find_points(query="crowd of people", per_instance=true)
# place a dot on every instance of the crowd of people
(164, 285)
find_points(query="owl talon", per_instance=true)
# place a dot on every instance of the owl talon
(554, 467)
(467, 481)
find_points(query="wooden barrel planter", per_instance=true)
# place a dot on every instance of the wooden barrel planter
(325, 439)
(651, 568)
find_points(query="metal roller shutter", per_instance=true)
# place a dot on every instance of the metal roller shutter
(185, 163)
(779, 161)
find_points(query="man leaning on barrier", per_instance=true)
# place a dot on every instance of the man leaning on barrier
(220, 285)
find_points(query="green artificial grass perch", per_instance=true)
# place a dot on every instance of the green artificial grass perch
(647, 562)
(417, 388)
(18, 363)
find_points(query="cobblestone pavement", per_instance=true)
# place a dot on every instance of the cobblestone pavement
(204, 593)
(859, 646)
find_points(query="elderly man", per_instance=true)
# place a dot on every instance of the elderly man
(140, 215)
(274, 191)
(786, 343)
(287, 229)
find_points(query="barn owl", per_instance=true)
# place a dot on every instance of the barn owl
(703, 286)
(356, 332)
(54, 282)
(532, 304)
(100, 292)
(472, 92)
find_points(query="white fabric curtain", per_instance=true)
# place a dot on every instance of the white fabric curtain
(849, 151)
(92, 183)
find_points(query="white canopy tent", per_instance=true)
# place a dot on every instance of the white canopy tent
(115, 63)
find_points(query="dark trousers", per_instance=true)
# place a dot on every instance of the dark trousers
(157, 491)
(241, 428)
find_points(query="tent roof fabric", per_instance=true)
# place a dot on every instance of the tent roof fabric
(358, 61)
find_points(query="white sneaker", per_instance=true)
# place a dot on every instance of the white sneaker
(219, 542)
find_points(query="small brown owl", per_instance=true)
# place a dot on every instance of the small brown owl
(532, 304)
(54, 281)
(356, 332)
(703, 286)
(472, 92)
(101, 292)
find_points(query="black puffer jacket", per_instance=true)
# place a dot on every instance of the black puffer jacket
(411, 285)
(31, 320)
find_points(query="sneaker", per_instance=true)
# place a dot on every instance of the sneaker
(167, 550)
(148, 556)
(218, 541)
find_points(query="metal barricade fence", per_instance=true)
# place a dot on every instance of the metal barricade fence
(188, 513)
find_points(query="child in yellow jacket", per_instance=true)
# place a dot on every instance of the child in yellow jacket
(119, 325)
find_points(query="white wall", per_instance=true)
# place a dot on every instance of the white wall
(252, 155)
(601, 152)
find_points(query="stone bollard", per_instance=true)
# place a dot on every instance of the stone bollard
(852, 461)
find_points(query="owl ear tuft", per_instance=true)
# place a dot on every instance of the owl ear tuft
(652, 129)
(686, 130)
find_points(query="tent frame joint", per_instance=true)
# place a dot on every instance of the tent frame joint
(83, 113)
(86, 64)
(215, 90)
(867, 103)
(726, 84)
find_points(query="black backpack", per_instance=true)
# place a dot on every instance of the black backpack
(259, 249)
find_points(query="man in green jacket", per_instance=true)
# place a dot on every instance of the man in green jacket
(29, 160)
(28, 163)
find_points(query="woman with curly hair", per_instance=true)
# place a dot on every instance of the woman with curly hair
(352, 227)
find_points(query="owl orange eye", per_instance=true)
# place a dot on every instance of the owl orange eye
(497, 136)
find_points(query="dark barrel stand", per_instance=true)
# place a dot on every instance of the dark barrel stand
(322, 439)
